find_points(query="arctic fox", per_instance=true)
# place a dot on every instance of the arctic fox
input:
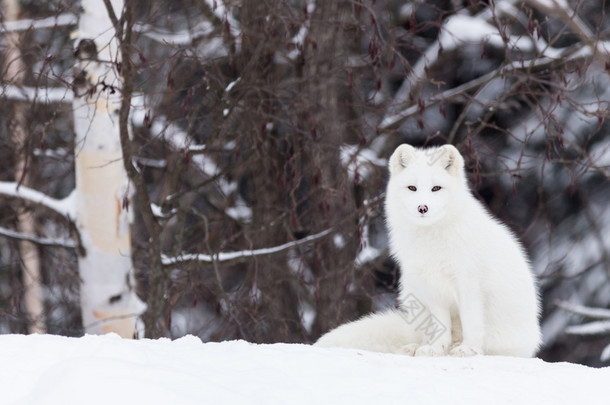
(466, 286)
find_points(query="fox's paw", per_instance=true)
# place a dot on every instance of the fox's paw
(465, 351)
(429, 351)
(409, 350)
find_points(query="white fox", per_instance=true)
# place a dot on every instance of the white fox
(466, 286)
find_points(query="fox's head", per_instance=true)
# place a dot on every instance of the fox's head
(425, 183)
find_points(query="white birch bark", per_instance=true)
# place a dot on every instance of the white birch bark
(30, 257)
(108, 299)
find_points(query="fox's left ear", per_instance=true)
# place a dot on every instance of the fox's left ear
(452, 160)
(401, 158)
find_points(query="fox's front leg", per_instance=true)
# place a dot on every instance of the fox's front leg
(435, 327)
(472, 314)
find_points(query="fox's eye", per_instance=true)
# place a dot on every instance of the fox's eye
(412, 188)
(436, 188)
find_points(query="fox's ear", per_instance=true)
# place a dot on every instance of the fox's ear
(401, 157)
(452, 160)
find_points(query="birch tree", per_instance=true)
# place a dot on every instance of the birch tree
(108, 298)
(99, 205)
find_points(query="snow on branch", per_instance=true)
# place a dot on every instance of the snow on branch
(158, 211)
(598, 313)
(589, 329)
(561, 10)
(605, 354)
(390, 121)
(184, 37)
(50, 22)
(596, 328)
(462, 29)
(456, 30)
(66, 243)
(47, 95)
(217, 19)
(242, 254)
(64, 207)
(298, 40)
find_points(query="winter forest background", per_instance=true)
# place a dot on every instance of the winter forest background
(222, 163)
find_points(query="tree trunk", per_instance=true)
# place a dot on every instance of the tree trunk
(30, 257)
(272, 284)
(331, 199)
(109, 302)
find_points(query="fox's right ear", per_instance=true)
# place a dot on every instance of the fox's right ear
(401, 157)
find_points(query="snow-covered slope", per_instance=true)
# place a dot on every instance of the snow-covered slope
(54, 370)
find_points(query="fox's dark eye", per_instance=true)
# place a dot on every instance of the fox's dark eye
(412, 188)
(436, 188)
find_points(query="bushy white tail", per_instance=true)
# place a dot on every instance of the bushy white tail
(386, 332)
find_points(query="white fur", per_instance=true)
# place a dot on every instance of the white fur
(385, 332)
(467, 268)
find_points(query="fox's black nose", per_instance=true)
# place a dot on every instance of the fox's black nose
(422, 209)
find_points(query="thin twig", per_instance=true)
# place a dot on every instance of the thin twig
(70, 244)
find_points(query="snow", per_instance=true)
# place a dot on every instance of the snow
(158, 211)
(240, 212)
(183, 38)
(550, 4)
(232, 84)
(360, 161)
(223, 13)
(591, 328)
(462, 28)
(179, 140)
(28, 24)
(64, 206)
(605, 356)
(53, 370)
(600, 154)
(299, 39)
(585, 311)
(46, 95)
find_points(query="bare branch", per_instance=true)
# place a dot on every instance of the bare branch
(242, 254)
(158, 283)
(112, 16)
(65, 243)
(560, 10)
(392, 121)
(448, 39)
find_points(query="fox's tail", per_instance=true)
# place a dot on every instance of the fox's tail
(385, 332)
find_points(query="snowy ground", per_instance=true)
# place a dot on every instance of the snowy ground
(54, 370)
